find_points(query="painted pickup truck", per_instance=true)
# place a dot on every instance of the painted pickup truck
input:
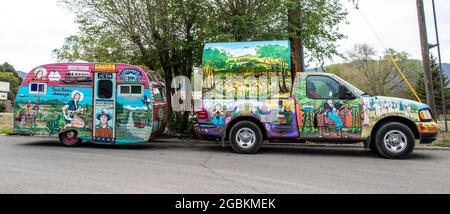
(317, 107)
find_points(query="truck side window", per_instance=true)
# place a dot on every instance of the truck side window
(322, 87)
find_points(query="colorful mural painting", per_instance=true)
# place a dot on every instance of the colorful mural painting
(277, 115)
(263, 66)
(320, 111)
(57, 98)
(322, 107)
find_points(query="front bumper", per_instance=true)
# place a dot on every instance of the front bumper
(428, 132)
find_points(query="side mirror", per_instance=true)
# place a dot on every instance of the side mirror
(345, 94)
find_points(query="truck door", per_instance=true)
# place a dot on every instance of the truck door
(104, 107)
(324, 112)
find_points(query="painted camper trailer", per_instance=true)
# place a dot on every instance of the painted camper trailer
(86, 102)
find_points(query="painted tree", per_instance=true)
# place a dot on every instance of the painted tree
(278, 58)
(212, 59)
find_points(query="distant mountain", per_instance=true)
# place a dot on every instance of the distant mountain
(21, 74)
(446, 68)
(313, 70)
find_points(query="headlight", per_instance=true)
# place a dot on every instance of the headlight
(425, 115)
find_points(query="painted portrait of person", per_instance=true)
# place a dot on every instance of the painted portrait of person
(40, 74)
(103, 119)
(71, 109)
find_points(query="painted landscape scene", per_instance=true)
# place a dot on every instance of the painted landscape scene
(246, 69)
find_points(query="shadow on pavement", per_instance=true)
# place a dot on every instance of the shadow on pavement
(228, 151)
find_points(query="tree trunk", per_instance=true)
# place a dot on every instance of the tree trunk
(294, 25)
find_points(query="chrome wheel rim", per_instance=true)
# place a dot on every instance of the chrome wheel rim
(245, 137)
(395, 141)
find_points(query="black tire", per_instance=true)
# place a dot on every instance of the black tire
(69, 139)
(400, 133)
(238, 141)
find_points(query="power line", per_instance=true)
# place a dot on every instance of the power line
(390, 55)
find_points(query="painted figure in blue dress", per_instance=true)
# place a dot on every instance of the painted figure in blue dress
(331, 113)
(71, 109)
(218, 116)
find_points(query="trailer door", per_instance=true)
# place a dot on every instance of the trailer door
(104, 110)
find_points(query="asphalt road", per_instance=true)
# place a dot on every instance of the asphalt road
(33, 165)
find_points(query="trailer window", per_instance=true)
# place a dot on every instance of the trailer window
(105, 89)
(131, 90)
(158, 94)
(38, 88)
(125, 89)
(136, 89)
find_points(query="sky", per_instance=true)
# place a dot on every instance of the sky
(30, 30)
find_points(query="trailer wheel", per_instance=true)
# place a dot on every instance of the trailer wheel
(246, 138)
(395, 141)
(70, 139)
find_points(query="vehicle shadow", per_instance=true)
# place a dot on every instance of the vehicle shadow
(334, 151)
(302, 150)
(294, 150)
(56, 144)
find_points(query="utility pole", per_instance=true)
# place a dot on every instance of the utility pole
(428, 78)
(443, 92)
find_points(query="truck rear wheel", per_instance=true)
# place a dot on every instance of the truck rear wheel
(246, 138)
(394, 140)
(70, 139)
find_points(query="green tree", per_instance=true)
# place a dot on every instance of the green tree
(237, 20)
(6, 67)
(436, 73)
(166, 35)
(8, 74)
(314, 25)
(169, 35)
(381, 76)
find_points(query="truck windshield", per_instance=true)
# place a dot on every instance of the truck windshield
(350, 87)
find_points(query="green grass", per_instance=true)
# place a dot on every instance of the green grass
(6, 131)
(443, 140)
(445, 143)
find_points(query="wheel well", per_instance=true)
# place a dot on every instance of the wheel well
(397, 119)
(64, 132)
(246, 118)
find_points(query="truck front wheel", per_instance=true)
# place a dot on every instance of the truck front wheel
(246, 138)
(394, 140)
